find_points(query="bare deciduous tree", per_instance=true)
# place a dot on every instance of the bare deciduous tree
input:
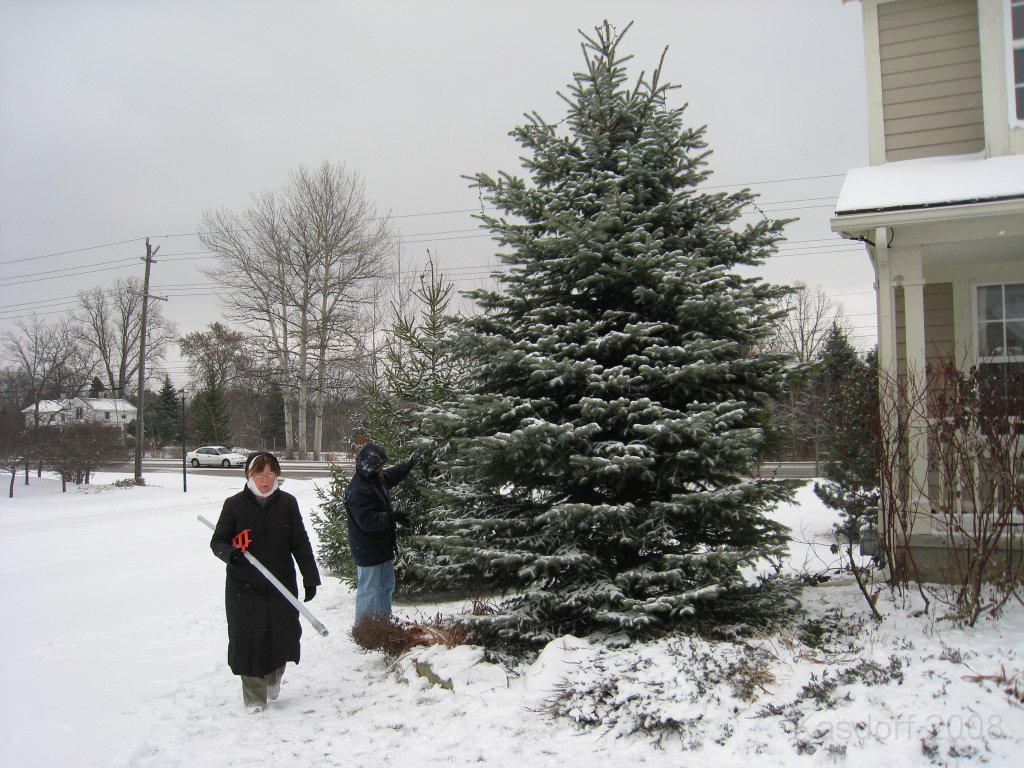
(75, 451)
(52, 358)
(218, 353)
(53, 362)
(14, 442)
(810, 314)
(238, 368)
(111, 322)
(299, 262)
(809, 317)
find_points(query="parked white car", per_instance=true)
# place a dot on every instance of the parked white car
(215, 456)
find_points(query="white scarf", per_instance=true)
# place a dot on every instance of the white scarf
(251, 483)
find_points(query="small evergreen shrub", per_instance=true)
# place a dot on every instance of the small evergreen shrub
(330, 522)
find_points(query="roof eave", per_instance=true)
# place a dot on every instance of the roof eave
(857, 224)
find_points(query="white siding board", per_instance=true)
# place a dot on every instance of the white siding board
(961, 135)
(935, 29)
(936, 122)
(914, 11)
(944, 104)
(932, 150)
(928, 75)
(930, 60)
(932, 91)
(917, 46)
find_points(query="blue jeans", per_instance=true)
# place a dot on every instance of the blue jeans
(374, 585)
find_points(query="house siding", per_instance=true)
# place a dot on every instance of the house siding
(930, 55)
(939, 331)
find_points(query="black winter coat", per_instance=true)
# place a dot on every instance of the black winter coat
(263, 627)
(371, 518)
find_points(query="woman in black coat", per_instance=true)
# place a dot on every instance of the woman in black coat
(263, 627)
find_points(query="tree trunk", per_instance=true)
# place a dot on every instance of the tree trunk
(303, 390)
(318, 408)
(288, 428)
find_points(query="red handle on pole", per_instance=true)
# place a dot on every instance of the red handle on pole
(241, 541)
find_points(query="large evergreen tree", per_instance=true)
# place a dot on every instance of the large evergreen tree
(602, 462)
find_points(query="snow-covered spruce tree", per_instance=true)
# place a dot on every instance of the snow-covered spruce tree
(602, 461)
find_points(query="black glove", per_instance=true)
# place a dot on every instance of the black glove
(402, 517)
(310, 594)
(414, 459)
(237, 557)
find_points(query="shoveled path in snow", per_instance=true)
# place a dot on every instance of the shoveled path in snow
(114, 654)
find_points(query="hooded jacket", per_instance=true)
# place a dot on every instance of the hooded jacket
(371, 518)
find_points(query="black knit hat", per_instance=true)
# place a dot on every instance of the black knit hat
(275, 465)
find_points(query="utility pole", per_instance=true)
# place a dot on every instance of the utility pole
(184, 473)
(140, 430)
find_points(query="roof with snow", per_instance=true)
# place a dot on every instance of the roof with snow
(108, 404)
(48, 406)
(96, 403)
(931, 182)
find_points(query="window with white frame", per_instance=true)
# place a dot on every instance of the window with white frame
(1000, 334)
(1016, 51)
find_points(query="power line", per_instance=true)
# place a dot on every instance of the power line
(774, 181)
(73, 250)
(74, 274)
(112, 265)
(203, 255)
(421, 214)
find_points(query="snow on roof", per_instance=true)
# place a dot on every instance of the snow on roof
(48, 406)
(96, 403)
(932, 181)
(108, 404)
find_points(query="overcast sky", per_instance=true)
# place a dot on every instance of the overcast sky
(125, 119)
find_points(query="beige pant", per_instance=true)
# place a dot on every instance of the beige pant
(254, 689)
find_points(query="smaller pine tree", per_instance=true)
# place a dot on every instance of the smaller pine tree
(419, 371)
(272, 431)
(210, 422)
(164, 426)
(849, 414)
(330, 522)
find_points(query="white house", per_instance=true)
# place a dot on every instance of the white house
(941, 207)
(95, 410)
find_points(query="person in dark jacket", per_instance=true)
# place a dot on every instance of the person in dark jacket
(263, 627)
(371, 528)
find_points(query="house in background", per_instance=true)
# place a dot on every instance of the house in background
(941, 207)
(87, 410)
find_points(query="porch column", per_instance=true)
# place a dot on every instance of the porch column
(886, 304)
(912, 280)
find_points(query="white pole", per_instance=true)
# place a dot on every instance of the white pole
(280, 587)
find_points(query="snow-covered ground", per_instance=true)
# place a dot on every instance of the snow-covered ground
(113, 653)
